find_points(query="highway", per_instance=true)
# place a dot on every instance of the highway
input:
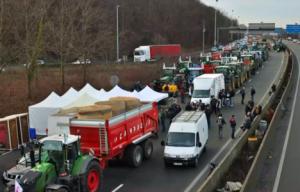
(287, 178)
(154, 176)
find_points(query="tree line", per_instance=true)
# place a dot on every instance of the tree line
(65, 30)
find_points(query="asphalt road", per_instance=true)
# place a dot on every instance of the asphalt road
(154, 176)
(289, 168)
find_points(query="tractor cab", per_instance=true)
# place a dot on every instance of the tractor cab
(61, 151)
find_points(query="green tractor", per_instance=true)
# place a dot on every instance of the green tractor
(62, 167)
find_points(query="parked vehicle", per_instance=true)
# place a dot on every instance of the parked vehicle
(207, 85)
(154, 52)
(62, 167)
(126, 136)
(187, 138)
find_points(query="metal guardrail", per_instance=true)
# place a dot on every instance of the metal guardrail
(217, 174)
(269, 132)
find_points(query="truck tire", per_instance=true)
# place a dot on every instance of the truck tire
(147, 148)
(134, 155)
(92, 179)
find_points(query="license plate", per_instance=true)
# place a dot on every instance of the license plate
(178, 164)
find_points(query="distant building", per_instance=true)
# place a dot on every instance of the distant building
(262, 26)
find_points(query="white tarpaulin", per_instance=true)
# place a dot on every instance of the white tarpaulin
(39, 113)
(149, 95)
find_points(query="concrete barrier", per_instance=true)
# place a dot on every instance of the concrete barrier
(223, 166)
(263, 147)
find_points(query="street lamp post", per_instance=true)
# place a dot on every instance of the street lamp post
(118, 43)
(215, 41)
(203, 37)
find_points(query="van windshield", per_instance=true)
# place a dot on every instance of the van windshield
(201, 93)
(181, 139)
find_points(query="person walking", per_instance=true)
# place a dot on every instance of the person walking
(232, 122)
(252, 92)
(221, 122)
(243, 93)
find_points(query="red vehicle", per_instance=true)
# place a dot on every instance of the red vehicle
(124, 136)
(153, 52)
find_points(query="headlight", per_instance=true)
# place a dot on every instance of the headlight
(168, 155)
(187, 156)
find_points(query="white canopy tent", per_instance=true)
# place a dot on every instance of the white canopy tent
(59, 123)
(119, 92)
(149, 95)
(39, 113)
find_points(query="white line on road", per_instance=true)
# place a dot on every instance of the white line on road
(117, 188)
(287, 137)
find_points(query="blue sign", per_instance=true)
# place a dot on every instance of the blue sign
(293, 29)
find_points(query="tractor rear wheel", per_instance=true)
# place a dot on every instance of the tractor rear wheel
(92, 179)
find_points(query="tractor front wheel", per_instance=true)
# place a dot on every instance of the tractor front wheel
(93, 178)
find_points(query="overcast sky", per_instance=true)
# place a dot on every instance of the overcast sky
(281, 12)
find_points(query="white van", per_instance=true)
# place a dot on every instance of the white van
(207, 85)
(186, 139)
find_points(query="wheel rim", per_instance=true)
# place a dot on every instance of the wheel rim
(138, 156)
(149, 150)
(93, 180)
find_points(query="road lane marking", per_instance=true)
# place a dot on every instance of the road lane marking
(118, 188)
(287, 137)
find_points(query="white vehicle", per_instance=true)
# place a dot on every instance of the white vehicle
(81, 61)
(206, 86)
(187, 139)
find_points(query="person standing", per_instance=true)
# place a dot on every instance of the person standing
(182, 95)
(243, 93)
(221, 122)
(162, 120)
(252, 92)
(232, 122)
(208, 114)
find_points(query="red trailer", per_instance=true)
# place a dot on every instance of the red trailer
(157, 51)
(123, 136)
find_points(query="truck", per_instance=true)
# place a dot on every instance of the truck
(186, 140)
(154, 52)
(206, 86)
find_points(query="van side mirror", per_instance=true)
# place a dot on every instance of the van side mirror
(199, 144)
(163, 143)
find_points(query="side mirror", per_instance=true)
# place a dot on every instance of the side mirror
(163, 143)
(199, 144)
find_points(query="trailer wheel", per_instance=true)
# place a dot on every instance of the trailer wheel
(147, 148)
(134, 155)
(92, 178)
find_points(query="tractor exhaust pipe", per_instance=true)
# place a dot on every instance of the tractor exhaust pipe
(31, 155)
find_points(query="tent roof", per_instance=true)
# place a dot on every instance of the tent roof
(88, 89)
(50, 101)
(83, 100)
(149, 95)
(119, 92)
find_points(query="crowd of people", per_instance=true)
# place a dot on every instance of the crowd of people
(225, 99)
